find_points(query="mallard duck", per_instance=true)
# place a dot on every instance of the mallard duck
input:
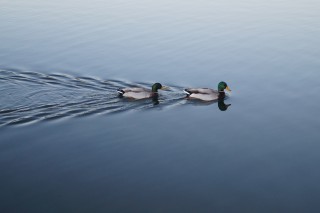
(141, 93)
(207, 94)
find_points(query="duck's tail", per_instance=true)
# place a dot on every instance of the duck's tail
(120, 92)
(187, 92)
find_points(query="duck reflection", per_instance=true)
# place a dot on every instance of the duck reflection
(155, 99)
(222, 106)
(220, 102)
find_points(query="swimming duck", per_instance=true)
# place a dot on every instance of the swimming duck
(141, 93)
(206, 94)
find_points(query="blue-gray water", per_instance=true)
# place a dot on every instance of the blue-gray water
(69, 144)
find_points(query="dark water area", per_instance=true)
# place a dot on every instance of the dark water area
(68, 143)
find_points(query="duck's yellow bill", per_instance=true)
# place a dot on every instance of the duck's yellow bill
(228, 89)
(165, 88)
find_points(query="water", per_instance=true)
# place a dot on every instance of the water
(69, 144)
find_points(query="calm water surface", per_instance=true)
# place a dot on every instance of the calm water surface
(69, 144)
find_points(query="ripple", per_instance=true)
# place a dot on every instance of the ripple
(29, 97)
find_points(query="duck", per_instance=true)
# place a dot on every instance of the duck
(207, 94)
(141, 93)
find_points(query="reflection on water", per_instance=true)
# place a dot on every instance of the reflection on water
(31, 96)
(222, 106)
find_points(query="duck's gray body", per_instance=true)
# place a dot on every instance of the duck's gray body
(135, 92)
(204, 94)
(141, 93)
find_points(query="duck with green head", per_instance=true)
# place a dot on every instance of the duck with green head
(207, 94)
(141, 93)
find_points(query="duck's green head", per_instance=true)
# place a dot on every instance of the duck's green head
(157, 86)
(222, 86)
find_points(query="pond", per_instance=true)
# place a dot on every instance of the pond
(68, 143)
